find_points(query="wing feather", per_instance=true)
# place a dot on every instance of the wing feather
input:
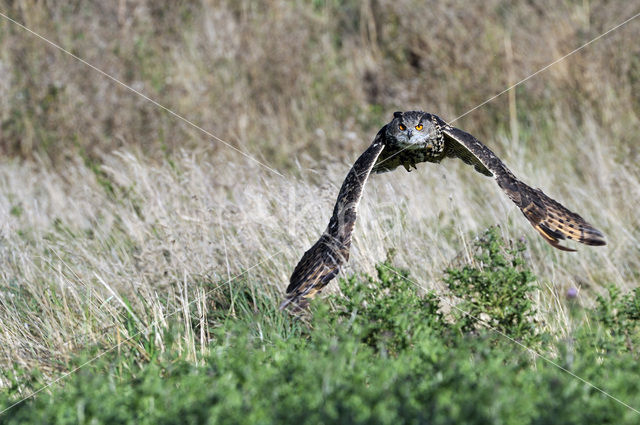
(552, 220)
(322, 261)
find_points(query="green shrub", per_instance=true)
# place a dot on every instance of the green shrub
(384, 354)
(616, 322)
(387, 312)
(495, 289)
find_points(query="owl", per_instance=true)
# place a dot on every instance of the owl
(410, 138)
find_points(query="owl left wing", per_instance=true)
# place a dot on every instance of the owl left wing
(551, 219)
(322, 261)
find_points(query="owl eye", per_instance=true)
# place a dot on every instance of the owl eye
(402, 127)
(419, 127)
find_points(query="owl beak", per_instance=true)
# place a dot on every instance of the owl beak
(409, 134)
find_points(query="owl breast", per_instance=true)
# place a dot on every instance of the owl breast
(410, 157)
(395, 155)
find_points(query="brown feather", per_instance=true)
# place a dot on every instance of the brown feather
(550, 218)
(323, 260)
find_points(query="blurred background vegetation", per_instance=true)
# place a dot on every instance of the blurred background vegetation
(290, 80)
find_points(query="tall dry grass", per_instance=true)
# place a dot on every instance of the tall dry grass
(112, 211)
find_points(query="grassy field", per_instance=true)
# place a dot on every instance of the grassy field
(124, 227)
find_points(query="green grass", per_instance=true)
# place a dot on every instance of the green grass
(382, 353)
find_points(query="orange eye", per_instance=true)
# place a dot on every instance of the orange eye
(419, 127)
(402, 127)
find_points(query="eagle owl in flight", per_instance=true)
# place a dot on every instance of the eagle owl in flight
(413, 137)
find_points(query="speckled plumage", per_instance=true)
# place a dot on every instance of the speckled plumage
(410, 138)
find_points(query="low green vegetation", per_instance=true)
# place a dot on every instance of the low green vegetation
(383, 352)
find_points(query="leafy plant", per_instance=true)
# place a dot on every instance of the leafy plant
(617, 320)
(495, 289)
(383, 353)
(387, 310)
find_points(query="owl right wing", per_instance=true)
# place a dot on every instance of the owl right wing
(322, 261)
(552, 220)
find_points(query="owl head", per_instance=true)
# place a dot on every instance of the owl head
(413, 130)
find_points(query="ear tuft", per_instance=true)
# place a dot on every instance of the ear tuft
(397, 114)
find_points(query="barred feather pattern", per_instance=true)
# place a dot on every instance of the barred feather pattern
(552, 220)
(323, 260)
